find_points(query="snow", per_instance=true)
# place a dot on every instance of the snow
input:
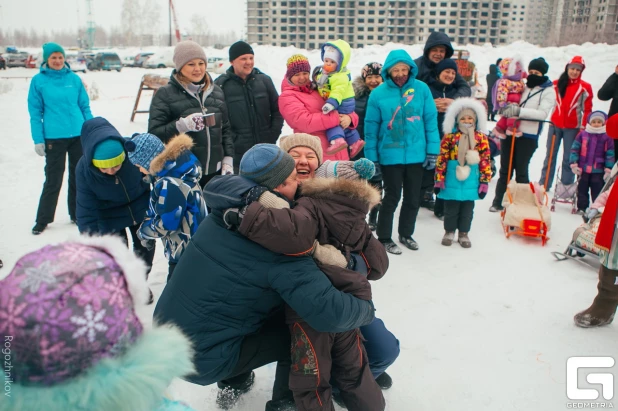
(488, 328)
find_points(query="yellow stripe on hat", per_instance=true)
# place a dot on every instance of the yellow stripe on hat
(112, 162)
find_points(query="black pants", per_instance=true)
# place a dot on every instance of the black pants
(524, 149)
(207, 177)
(170, 271)
(270, 344)
(588, 182)
(458, 215)
(55, 160)
(139, 250)
(408, 177)
(428, 183)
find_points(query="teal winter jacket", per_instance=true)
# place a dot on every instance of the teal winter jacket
(58, 104)
(401, 125)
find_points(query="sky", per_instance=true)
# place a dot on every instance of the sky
(220, 15)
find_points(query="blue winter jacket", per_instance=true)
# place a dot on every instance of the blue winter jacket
(401, 123)
(58, 104)
(440, 90)
(105, 203)
(225, 287)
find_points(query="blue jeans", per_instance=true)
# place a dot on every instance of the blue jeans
(568, 136)
(381, 345)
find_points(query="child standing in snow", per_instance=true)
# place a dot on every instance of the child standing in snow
(592, 158)
(508, 90)
(176, 204)
(463, 168)
(334, 83)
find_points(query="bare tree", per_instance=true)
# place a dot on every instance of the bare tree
(199, 29)
(132, 21)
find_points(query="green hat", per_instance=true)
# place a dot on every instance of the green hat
(50, 48)
(108, 153)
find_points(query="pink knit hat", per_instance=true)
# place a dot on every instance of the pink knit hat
(297, 64)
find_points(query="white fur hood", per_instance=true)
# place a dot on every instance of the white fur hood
(450, 118)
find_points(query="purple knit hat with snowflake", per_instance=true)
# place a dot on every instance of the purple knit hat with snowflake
(68, 306)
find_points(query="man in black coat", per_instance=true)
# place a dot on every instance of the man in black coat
(609, 91)
(252, 102)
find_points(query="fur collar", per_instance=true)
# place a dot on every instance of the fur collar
(360, 88)
(450, 117)
(172, 150)
(325, 188)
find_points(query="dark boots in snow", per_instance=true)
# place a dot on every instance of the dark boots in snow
(373, 218)
(603, 308)
(391, 247)
(384, 381)
(281, 405)
(229, 394)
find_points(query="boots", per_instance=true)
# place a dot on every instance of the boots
(463, 240)
(228, 395)
(373, 218)
(447, 240)
(603, 308)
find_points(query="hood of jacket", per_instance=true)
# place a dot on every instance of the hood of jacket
(360, 87)
(227, 191)
(177, 160)
(493, 69)
(95, 131)
(327, 188)
(450, 117)
(343, 48)
(576, 60)
(438, 38)
(394, 57)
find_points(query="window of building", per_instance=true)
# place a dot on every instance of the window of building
(369, 37)
(443, 13)
(452, 22)
(284, 36)
(453, 13)
(432, 21)
(321, 20)
(432, 13)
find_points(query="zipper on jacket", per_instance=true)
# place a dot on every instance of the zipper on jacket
(204, 111)
(118, 180)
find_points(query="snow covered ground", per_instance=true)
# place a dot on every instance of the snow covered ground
(488, 328)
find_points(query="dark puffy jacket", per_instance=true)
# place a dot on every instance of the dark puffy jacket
(105, 203)
(226, 287)
(426, 67)
(173, 102)
(362, 95)
(254, 110)
(440, 90)
(491, 78)
(609, 91)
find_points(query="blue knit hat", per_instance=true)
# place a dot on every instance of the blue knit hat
(143, 148)
(108, 153)
(445, 64)
(362, 169)
(267, 165)
(50, 48)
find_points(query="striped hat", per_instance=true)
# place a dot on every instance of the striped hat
(108, 154)
(297, 64)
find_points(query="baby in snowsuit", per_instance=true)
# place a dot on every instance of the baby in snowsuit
(334, 83)
(508, 90)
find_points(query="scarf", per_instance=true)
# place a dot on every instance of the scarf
(533, 80)
(401, 80)
(595, 130)
(467, 141)
(605, 234)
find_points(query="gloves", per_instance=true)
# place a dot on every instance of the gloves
(227, 166)
(430, 162)
(377, 175)
(148, 244)
(607, 175)
(512, 110)
(327, 108)
(576, 170)
(193, 122)
(40, 149)
(254, 194)
(232, 217)
(328, 254)
(483, 188)
(271, 200)
(439, 186)
(590, 214)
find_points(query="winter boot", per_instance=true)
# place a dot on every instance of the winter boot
(38, 228)
(373, 218)
(447, 240)
(463, 240)
(338, 400)
(603, 308)
(355, 148)
(494, 170)
(408, 242)
(228, 395)
(495, 208)
(391, 247)
(428, 201)
(384, 381)
(336, 146)
(281, 405)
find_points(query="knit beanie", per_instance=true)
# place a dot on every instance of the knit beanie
(446, 64)
(267, 165)
(185, 51)
(238, 49)
(597, 114)
(297, 64)
(108, 153)
(302, 140)
(539, 64)
(332, 53)
(348, 170)
(143, 148)
(466, 112)
(371, 69)
(50, 48)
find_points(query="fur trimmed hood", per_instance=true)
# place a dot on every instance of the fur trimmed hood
(450, 117)
(509, 66)
(325, 188)
(173, 149)
(360, 88)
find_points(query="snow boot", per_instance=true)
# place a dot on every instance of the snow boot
(373, 218)
(229, 395)
(463, 240)
(336, 146)
(391, 247)
(38, 228)
(281, 405)
(355, 148)
(495, 208)
(384, 381)
(338, 400)
(428, 200)
(408, 242)
(447, 240)
(603, 308)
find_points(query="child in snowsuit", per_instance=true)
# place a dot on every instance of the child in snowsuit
(334, 83)
(463, 168)
(176, 205)
(330, 213)
(508, 90)
(76, 341)
(592, 158)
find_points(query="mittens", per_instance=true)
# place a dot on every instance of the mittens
(430, 162)
(192, 122)
(227, 166)
(483, 188)
(512, 110)
(40, 149)
(328, 254)
(327, 108)
(438, 187)
(576, 170)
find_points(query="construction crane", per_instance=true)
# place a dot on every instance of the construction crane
(172, 14)
(90, 26)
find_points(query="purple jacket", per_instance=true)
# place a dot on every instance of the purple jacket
(592, 152)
